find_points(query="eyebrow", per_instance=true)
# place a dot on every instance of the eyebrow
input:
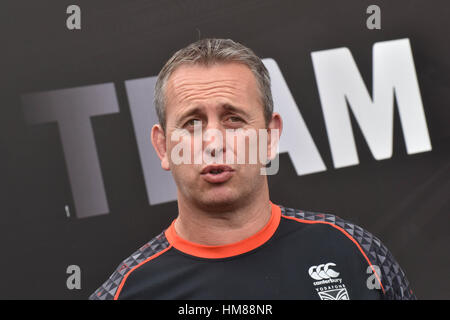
(229, 107)
(195, 110)
(198, 110)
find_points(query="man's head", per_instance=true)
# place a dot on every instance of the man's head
(223, 86)
(207, 52)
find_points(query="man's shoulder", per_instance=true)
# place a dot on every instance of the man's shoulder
(377, 255)
(330, 227)
(332, 223)
(110, 289)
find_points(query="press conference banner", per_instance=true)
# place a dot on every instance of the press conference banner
(362, 88)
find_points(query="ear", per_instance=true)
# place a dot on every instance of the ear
(159, 143)
(274, 128)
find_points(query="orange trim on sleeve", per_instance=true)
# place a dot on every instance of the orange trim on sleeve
(116, 296)
(228, 250)
(347, 235)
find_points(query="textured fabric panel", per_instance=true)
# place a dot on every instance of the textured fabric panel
(108, 290)
(395, 283)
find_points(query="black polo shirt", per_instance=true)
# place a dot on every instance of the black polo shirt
(297, 255)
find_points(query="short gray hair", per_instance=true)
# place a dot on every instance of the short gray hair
(207, 52)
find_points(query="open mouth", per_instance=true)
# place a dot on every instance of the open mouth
(217, 173)
(216, 169)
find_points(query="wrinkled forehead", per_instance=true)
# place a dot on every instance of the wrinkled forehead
(190, 84)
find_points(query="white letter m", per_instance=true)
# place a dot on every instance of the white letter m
(394, 75)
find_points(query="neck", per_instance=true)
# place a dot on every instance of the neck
(239, 222)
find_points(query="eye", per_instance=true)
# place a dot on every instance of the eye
(191, 122)
(234, 119)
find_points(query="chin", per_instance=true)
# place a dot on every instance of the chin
(218, 201)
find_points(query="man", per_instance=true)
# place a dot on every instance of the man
(229, 240)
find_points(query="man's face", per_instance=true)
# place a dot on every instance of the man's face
(220, 97)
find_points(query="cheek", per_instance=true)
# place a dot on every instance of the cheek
(184, 175)
(249, 173)
(179, 151)
(247, 150)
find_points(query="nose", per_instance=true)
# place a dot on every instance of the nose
(214, 136)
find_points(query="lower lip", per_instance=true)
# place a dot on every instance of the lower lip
(219, 177)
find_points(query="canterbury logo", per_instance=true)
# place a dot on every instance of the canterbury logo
(323, 271)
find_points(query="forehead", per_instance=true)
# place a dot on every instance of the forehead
(232, 82)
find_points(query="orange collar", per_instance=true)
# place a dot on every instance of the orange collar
(227, 250)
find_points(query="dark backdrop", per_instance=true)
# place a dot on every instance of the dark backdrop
(403, 200)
